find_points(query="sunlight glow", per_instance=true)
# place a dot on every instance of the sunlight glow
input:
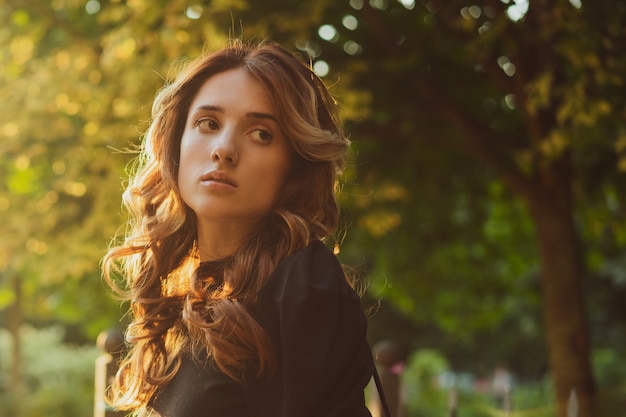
(328, 33)
(356, 4)
(36, 246)
(507, 66)
(352, 48)
(408, 4)
(350, 22)
(517, 10)
(379, 4)
(509, 101)
(22, 163)
(92, 7)
(472, 12)
(475, 11)
(75, 188)
(484, 27)
(321, 68)
(58, 167)
(10, 129)
(311, 48)
(194, 12)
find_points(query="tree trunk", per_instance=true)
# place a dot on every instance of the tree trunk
(14, 323)
(562, 273)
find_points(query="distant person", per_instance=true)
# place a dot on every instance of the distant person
(238, 308)
(390, 367)
(501, 386)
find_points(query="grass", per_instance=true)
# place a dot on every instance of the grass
(609, 403)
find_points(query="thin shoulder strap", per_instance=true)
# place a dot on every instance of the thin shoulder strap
(381, 393)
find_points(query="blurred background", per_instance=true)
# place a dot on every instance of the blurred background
(484, 202)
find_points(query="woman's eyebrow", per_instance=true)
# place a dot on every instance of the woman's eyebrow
(251, 114)
(210, 107)
(260, 115)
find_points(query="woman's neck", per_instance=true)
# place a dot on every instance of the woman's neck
(217, 241)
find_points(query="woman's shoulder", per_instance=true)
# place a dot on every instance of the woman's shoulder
(315, 262)
(314, 256)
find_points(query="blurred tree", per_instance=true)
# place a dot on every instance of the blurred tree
(533, 93)
(490, 144)
(76, 79)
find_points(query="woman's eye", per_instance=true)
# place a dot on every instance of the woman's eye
(262, 135)
(207, 124)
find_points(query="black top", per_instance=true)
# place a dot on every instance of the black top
(324, 363)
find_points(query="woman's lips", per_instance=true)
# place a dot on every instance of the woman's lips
(218, 177)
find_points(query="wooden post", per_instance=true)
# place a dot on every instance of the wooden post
(453, 401)
(111, 343)
(387, 355)
(572, 404)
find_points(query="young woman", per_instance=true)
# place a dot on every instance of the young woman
(238, 308)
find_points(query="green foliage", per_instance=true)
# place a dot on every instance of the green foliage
(609, 367)
(57, 378)
(467, 107)
(427, 382)
(420, 379)
(450, 105)
(431, 389)
(533, 394)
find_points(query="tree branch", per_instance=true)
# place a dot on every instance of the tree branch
(481, 142)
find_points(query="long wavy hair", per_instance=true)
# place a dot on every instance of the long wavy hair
(173, 310)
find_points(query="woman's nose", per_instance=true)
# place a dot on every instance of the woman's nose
(225, 148)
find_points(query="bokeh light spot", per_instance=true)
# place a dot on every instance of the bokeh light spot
(321, 68)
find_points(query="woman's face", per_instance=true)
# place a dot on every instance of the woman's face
(234, 157)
